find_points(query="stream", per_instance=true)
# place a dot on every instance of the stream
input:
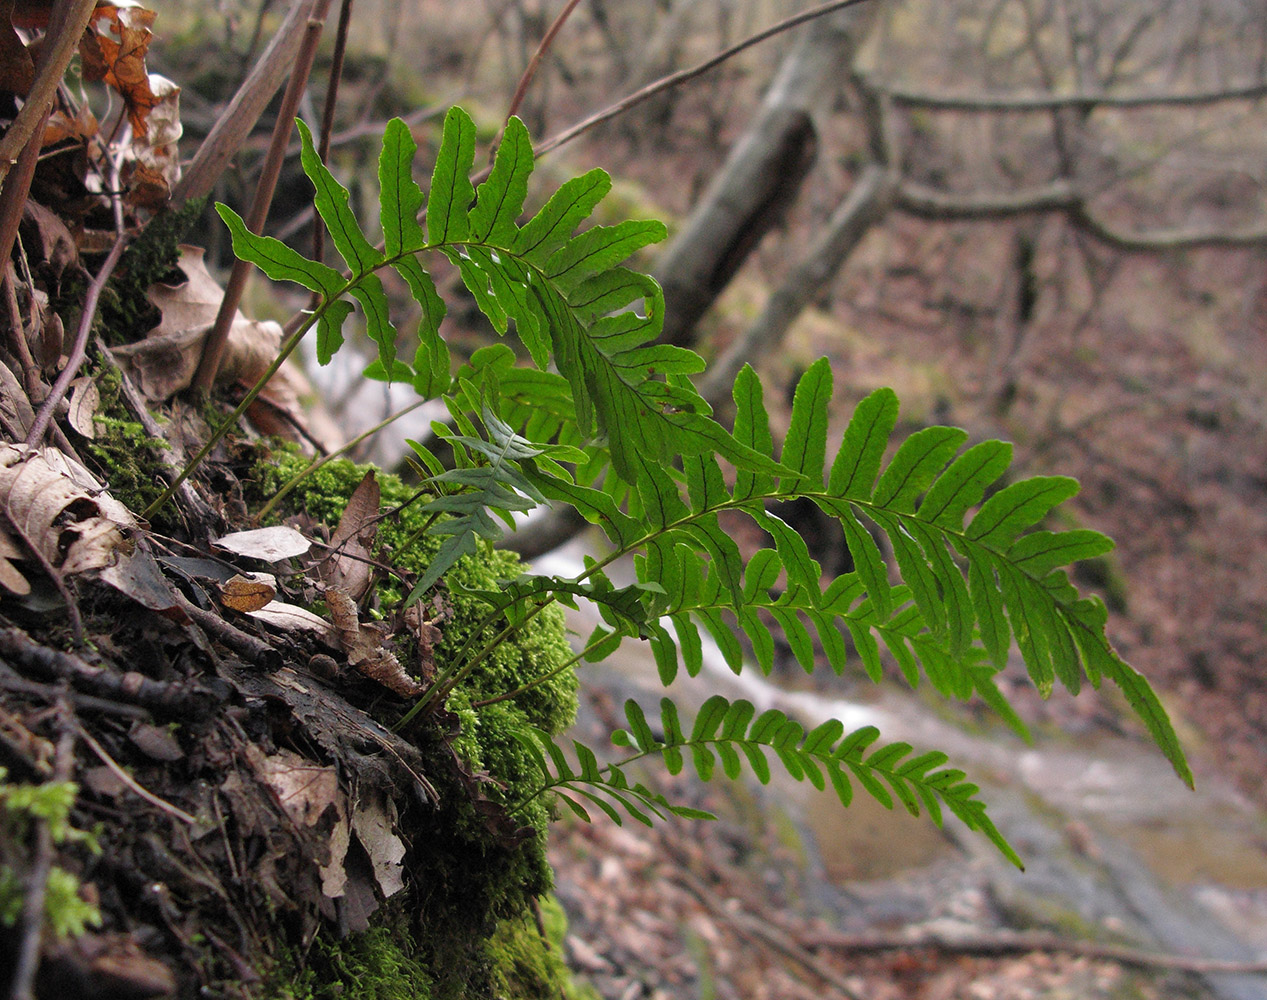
(1116, 847)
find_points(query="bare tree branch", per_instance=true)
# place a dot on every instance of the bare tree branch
(912, 97)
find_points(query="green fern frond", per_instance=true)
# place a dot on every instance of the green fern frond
(733, 734)
(570, 299)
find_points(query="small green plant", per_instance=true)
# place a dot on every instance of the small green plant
(66, 912)
(609, 422)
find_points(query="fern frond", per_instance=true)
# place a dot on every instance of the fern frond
(732, 734)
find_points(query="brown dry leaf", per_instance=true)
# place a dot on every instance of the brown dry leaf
(164, 363)
(85, 401)
(270, 544)
(113, 50)
(304, 789)
(364, 647)
(242, 593)
(374, 821)
(59, 509)
(16, 415)
(346, 567)
(427, 633)
(12, 580)
(17, 68)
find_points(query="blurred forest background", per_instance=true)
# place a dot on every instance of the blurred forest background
(1041, 220)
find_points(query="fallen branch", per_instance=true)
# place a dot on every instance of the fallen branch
(1004, 943)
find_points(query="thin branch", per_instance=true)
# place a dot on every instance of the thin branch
(132, 783)
(535, 62)
(27, 961)
(79, 350)
(327, 119)
(1054, 102)
(213, 349)
(238, 119)
(930, 203)
(1004, 943)
(60, 45)
(683, 76)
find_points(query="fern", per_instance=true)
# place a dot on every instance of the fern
(608, 422)
(732, 734)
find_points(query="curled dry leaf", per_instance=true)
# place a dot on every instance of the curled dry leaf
(85, 401)
(165, 362)
(292, 618)
(347, 566)
(246, 594)
(304, 789)
(59, 510)
(113, 51)
(270, 544)
(374, 820)
(364, 648)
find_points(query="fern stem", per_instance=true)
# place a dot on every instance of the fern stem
(539, 680)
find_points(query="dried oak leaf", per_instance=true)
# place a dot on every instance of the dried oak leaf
(59, 509)
(165, 362)
(347, 566)
(364, 648)
(113, 50)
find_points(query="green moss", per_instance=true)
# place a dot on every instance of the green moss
(526, 966)
(125, 454)
(125, 312)
(381, 964)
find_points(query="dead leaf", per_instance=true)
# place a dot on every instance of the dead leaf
(334, 877)
(10, 578)
(364, 648)
(155, 742)
(374, 820)
(85, 401)
(165, 362)
(270, 544)
(428, 634)
(304, 789)
(17, 68)
(242, 593)
(16, 415)
(292, 618)
(346, 567)
(58, 509)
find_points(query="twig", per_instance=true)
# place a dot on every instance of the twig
(1019, 944)
(535, 62)
(28, 957)
(750, 927)
(79, 350)
(71, 17)
(327, 121)
(255, 651)
(213, 348)
(11, 680)
(682, 76)
(132, 783)
(187, 700)
(17, 185)
(31, 379)
(238, 119)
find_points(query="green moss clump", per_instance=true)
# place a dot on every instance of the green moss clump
(125, 454)
(381, 964)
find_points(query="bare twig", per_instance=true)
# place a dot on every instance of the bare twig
(1006, 943)
(254, 650)
(79, 350)
(327, 120)
(238, 119)
(683, 76)
(535, 62)
(1053, 102)
(132, 783)
(213, 349)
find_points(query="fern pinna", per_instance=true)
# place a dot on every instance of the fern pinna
(617, 430)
